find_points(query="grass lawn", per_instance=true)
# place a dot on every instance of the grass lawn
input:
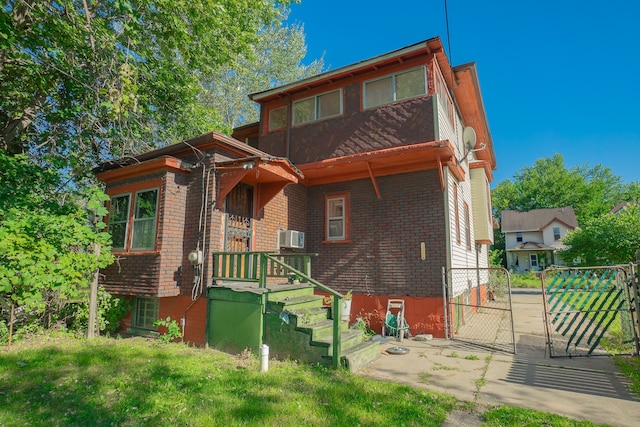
(527, 280)
(58, 380)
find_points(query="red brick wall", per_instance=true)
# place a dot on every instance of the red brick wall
(286, 211)
(194, 314)
(383, 256)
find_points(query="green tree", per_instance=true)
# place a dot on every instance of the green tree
(612, 238)
(275, 59)
(46, 240)
(591, 191)
(87, 80)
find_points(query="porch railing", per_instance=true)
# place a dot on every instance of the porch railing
(259, 266)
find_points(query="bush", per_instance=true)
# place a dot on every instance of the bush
(111, 310)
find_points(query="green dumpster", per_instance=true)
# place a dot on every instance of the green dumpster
(235, 317)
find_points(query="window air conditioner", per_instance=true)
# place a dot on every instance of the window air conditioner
(291, 239)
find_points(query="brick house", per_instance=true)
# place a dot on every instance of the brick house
(384, 165)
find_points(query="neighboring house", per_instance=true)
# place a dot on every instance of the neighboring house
(533, 238)
(369, 161)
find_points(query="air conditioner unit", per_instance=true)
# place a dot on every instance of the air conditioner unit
(291, 239)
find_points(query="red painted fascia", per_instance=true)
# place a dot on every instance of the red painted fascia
(165, 163)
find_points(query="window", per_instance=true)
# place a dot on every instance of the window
(337, 219)
(278, 118)
(317, 107)
(443, 96)
(144, 220)
(518, 237)
(556, 233)
(467, 226)
(118, 220)
(395, 87)
(145, 313)
(134, 229)
(533, 259)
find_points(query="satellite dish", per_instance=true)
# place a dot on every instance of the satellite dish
(469, 138)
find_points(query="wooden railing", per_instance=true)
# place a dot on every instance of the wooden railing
(259, 266)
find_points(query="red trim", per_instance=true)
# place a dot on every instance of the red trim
(160, 164)
(347, 218)
(133, 189)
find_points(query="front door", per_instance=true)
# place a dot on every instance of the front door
(239, 224)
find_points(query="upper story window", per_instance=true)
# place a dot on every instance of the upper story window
(337, 224)
(444, 99)
(395, 87)
(518, 237)
(556, 233)
(317, 107)
(278, 118)
(134, 229)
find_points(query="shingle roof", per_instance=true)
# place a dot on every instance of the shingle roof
(537, 219)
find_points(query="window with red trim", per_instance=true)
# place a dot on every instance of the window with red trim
(133, 220)
(337, 218)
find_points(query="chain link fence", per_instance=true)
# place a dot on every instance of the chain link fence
(478, 307)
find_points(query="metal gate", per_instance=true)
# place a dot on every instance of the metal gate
(590, 311)
(477, 307)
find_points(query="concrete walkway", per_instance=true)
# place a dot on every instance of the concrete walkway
(584, 388)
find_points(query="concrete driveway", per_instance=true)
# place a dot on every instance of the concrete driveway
(584, 388)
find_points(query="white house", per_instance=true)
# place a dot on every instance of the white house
(532, 238)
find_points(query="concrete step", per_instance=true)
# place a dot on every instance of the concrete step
(350, 338)
(280, 292)
(357, 357)
(322, 330)
(310, 316)
(297, 303)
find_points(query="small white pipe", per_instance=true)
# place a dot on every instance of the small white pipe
(264, 358)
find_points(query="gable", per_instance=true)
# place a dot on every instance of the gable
(537, 219)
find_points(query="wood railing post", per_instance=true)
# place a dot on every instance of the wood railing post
(263, 270)
(337, 318)
(307, 265)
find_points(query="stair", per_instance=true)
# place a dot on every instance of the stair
(298, 326)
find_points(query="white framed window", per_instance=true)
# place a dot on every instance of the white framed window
(119, 220)
(518, 236)
(533, 260)
(395, 87)
(317, 107)
(556, 233)
(143, 235)
(337, 224)
(145, 313)
(278, 118)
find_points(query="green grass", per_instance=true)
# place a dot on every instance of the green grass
(630, 367)
(503, 416)
(528, 280)
(61, 381)
(58, 380)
